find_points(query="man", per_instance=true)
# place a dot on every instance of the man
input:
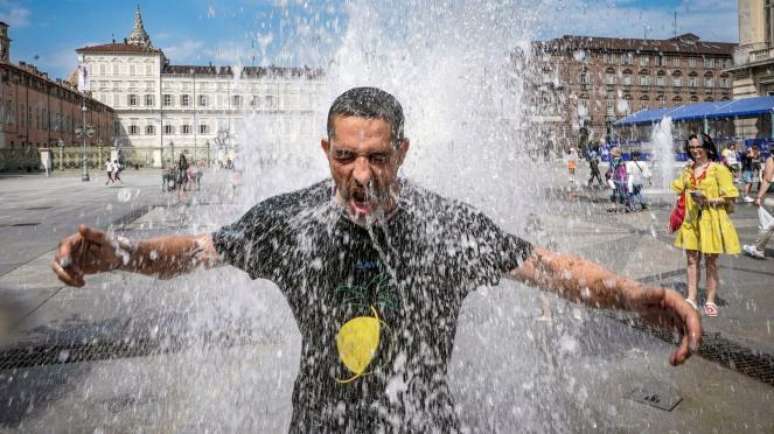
(593, 158)
(638, 173)
(758, 249)
(730, 160)
(375, 270)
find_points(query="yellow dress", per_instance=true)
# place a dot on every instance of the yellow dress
(711, 230)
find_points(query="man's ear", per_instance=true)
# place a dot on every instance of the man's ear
(402, 150)
(326, 146)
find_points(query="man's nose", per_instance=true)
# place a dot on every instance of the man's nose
(362, 171)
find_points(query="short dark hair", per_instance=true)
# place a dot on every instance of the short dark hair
(369, 103)
(706, 142)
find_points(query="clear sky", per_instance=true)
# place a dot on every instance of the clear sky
(46, 32)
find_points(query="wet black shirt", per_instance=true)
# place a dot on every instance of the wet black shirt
(390, 291)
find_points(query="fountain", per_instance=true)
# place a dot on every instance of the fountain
(665, 165)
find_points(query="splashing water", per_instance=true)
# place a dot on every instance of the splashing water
(451, 67)
(662, 145)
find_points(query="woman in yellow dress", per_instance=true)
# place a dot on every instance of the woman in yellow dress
(707, 230)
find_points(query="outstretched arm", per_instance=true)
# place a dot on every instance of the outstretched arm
(582, 281)
(92, 251)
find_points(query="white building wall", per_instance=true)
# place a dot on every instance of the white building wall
(282, 108)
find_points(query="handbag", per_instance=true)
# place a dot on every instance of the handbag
(677, 216)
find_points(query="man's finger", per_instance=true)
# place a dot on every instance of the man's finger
(64, 276)
(681, 353)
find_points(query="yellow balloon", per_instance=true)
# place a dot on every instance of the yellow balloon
(357, 341)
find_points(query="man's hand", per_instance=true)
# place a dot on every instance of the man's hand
(667, 309)
(583, 281)
(89, 251)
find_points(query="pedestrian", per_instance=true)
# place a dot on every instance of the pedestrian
(706, 231)
(638, 174)
(182, 175)
(117, 168)
(375, 269)
(751, 160)
(593, 158)
(618, 180)
(109, 171)
(758, 248)
(572, 163)
(731, 161)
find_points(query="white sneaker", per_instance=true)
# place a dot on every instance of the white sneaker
(748, 199)
(754, 252)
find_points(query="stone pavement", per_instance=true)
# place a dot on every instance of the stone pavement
(216, 351)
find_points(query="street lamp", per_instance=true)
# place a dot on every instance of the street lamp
(84, 131)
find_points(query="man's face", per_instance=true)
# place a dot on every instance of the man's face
(364, 164)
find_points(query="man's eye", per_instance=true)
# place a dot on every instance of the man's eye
(343, 156)
(379, 158)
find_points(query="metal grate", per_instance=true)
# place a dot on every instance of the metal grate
(45, 355)
(18, 225)
(716, 348)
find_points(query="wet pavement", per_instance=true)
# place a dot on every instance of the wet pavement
(215, 351)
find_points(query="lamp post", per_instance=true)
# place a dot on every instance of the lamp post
(84, 131)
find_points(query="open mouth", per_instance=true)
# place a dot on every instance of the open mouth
(360, 202)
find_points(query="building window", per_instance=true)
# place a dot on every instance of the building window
(255, 101)
(150, 130)
(185, 129)
(660, 81)
(236, 100)
(115, 69)
(677, 82)
(724, 82)
(644, 60)
(167, 98)
(644, 80)
(148, 69)
(169, 129)
(269, 101)
(148, 100)
(101, 69)
(132, 100)
(659, 60)
(185, 100)
(692, 62)
(692, 82)
(610, 78)
(133, 130)
(627, 58)
(627, 78)
(204, 129)
(709, 62)
(610, 108)
(584, 78)
(203, 101)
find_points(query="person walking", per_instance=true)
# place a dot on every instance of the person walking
(638, 174)
(707, 231)
(117, 168)
(375, 269)
(182, 176)
(758, 248)
(109, 172)
(572, 163)
(730, 159)
(618, 180)
(593, 158)
(750, 160)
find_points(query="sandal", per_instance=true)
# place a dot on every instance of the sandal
(711, 309)
(692, 303)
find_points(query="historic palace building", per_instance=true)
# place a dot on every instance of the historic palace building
(582, 84)
(165, 109)
(38, 113)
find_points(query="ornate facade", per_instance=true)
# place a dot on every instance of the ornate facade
(39, 113)
(165, 109)
(583, 83)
